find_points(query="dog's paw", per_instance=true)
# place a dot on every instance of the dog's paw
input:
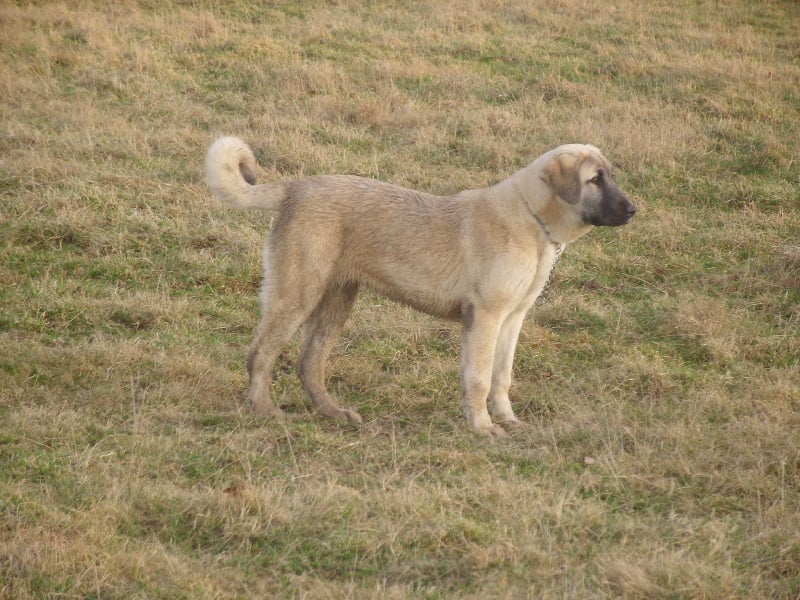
(266, 410)
(353, 417)
(492, 430)
(342, 414)
(515, 424)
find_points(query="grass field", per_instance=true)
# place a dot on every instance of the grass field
(660, 373)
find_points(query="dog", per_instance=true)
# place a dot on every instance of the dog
(482, 256)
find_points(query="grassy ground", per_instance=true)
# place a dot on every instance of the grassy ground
(659, 374)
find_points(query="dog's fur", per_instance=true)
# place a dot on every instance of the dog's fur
(481, 256)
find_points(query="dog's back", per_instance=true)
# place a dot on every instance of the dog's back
(402, 243)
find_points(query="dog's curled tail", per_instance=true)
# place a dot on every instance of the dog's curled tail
(230, 175)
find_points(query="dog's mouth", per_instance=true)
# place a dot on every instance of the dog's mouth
(614, 209)
(613, 219)
(630, 211)
(621, 214)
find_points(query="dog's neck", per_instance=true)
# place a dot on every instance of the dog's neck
(561, 227)
(544, 228)
(557, 245)
(515, 186)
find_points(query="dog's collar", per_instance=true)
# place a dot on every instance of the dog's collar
(557, 245)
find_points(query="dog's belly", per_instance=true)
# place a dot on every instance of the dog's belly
(442, 300)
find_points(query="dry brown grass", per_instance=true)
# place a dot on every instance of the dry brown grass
(660, 374)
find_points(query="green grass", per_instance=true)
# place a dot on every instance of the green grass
(659, 375)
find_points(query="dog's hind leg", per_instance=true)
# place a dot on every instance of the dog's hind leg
(274, 332)
(319, 334)
(283, 310)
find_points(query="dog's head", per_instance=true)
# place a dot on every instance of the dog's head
(581, 176)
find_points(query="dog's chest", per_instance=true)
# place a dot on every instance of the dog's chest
(545, 265)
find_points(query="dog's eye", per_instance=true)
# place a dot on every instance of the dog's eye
(596, 179)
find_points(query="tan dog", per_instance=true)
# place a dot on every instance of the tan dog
(481, 256)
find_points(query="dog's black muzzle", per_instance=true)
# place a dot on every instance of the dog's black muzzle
(614, 208)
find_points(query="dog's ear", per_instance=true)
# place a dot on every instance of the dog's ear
(562, 174)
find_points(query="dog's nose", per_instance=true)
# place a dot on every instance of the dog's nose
(631, 209)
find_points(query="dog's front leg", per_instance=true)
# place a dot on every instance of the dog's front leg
(499, 402)
(479, 333)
